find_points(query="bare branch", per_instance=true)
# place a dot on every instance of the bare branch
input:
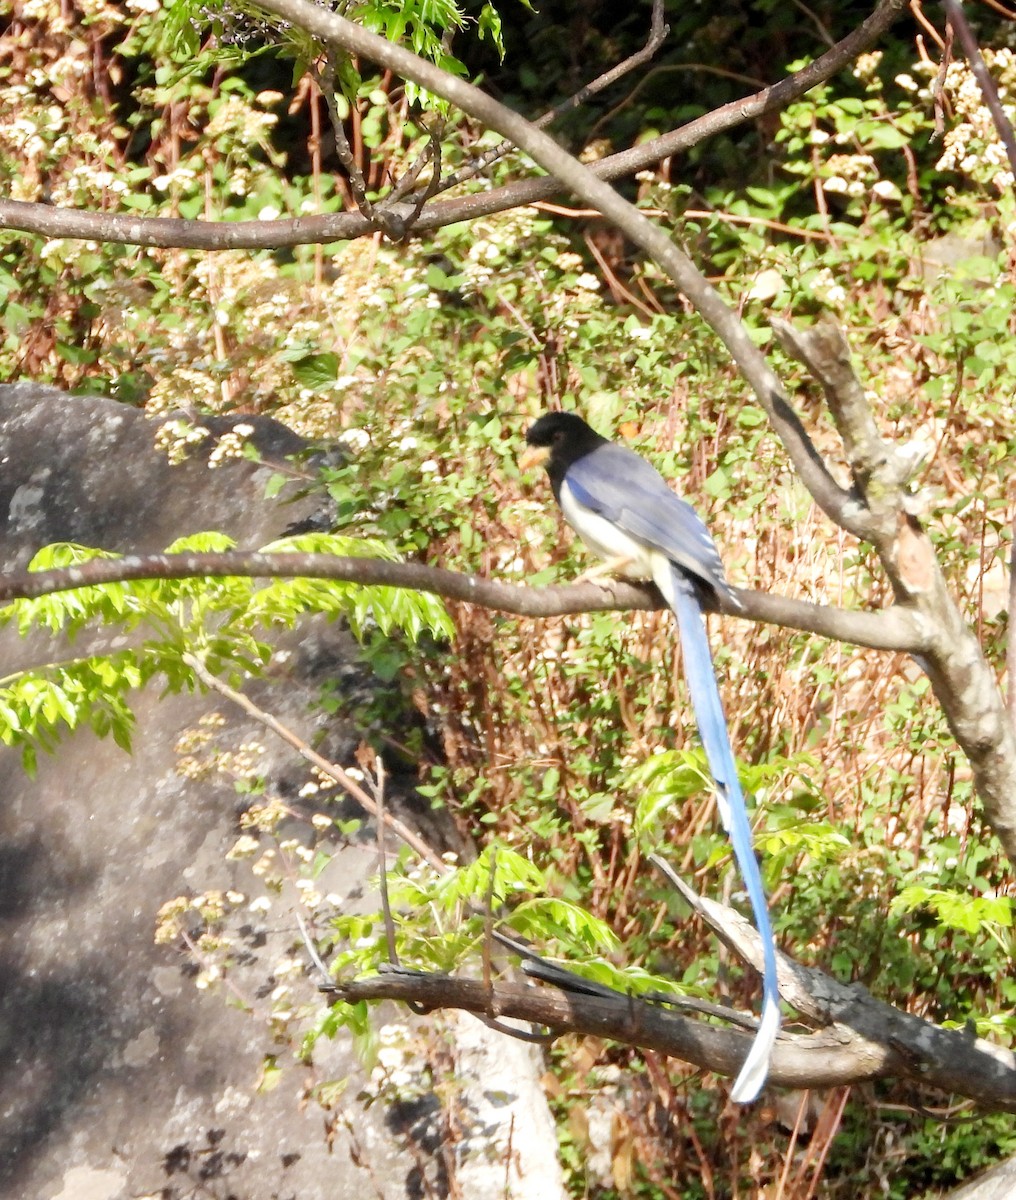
(335, 30)
(325, 79)
(1010, 647)
(892, 629)
(936, 1054)
(170, 232)
(332, 770)
(657, 33)
(878, 469)
(964, 683)
(895, 628)
(870, 1040)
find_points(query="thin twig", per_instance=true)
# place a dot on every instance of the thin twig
(657, 33)
(488, 915)
(325, 79)
(430, 153)
(312, 951)
(377, 786)
(332, 770)
(397, 217)
(1010, 649)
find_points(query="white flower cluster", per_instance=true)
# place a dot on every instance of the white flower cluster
(850, 174)
(176, 439)
(866, 66)
(181, 179)
(184, 387)
(230, 445)
(394, 1073)
(973, 147)
(824, 287)
(496, 239)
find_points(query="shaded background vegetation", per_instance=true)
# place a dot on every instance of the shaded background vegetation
(428, 360)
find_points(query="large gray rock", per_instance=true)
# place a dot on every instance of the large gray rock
(119, 1078)
(84, 469)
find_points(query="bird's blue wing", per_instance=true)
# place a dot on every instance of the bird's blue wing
(712, 726)
(622, 487)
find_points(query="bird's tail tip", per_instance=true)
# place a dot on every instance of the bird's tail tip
(753, 1073)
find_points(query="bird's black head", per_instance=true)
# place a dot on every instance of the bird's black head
(558, 439)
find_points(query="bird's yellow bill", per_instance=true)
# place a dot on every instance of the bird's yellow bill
(533, 456)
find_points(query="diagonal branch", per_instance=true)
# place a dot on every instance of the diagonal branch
(657, 34)
(879, 469)
(332, 770)
(325, 80)
(333, 30)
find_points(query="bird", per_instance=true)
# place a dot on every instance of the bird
(627, 514)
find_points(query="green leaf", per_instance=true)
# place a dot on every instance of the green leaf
(317, 371)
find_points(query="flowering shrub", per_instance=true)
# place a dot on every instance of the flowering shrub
(425, 361)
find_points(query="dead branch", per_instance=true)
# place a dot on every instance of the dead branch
(869, 1040)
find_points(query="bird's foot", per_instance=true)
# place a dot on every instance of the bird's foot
(613, 566)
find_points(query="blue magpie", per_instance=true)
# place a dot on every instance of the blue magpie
(623, 510)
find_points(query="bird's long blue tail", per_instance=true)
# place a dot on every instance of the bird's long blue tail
(712, 726)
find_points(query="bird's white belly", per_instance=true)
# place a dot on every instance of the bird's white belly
(605, 539)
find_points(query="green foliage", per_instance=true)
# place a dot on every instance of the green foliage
(199, 37)
(284, 601)
(958, 910)
(217, 621)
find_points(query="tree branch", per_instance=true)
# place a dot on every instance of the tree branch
(878, 469)
(964, 682)
(892, 629)
(657, 35)
(865, 1039)
(171, 232)
(332, 770)
(869, 1041)
(332, 29)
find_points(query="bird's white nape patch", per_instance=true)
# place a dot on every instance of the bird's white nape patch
(605, 539)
